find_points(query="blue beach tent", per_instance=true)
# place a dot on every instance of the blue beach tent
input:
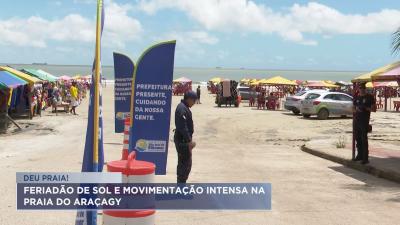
(10, 80)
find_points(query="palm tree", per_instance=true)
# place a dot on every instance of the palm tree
(396, 42)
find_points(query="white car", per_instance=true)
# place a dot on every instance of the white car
(292, 103)
(327, 104)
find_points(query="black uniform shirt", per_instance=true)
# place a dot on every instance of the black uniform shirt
(362, 103)
(183, 122)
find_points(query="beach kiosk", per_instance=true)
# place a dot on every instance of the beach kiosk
(181, 86)
(212, 84)
(280, 86)
(390, 78)
(10, 85)
(390, 72)
(27, 91)
(382, 75)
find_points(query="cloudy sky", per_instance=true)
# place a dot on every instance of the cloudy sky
(275, 34)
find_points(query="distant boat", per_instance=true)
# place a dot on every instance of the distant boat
(39, 63)
(218, 67)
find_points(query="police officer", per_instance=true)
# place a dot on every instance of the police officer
(363, 105)
(183, 136)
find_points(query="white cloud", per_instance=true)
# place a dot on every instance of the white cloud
(119, 26)
(189, 38)
(36, 31)
(292, 24)
(189, 43)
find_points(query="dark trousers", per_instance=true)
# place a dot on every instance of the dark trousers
(184, 161)
(361, 128)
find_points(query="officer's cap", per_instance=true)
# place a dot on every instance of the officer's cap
(191, 95)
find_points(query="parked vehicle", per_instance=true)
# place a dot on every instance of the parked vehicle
(293, 103)
(246, 92)
(227, 96)
(326, 104)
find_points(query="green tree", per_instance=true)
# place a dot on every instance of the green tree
(396, 42)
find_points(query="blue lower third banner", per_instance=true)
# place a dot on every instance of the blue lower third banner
(160, 196)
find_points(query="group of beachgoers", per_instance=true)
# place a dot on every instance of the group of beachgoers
(67, 95)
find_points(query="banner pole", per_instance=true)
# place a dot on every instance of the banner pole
(96, 88)
(132, 97)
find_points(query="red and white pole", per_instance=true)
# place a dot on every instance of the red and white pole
(125, 148)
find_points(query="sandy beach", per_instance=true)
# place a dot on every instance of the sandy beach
(233, 145)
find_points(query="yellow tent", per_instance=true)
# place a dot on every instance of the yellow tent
(244, 80)
(278, 80)
(320, 84)
(368, 76)
(329, 84)
(363, 78)
(262, 81)
(254, 82)
(215, 80)
(77, 77)
(23, 76)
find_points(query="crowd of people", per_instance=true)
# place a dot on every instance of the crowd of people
(67, 95)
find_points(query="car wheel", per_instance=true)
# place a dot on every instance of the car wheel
(296, 112)
(306, 115)
(323, 114)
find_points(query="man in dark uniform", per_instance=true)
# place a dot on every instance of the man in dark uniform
(198, 92)
(363, 105)
(183, 136)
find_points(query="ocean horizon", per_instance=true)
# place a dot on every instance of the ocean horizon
(198, 74)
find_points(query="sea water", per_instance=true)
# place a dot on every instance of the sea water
(204, 74)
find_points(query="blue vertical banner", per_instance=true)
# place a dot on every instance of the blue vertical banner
(93, 158)
(123, 72)
(151, 105)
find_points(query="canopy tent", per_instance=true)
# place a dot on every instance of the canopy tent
(26, 77)
(320, 84)
(64, 78)
(362, 78)
(10, 80)
(182, 80)
(40, 75)
(389, 75)
(245, 80)
(3, 86)
(215, 80)
(376, 73)
(278, 80)
(49, 75)
(262, 81)
(375, 84)
(343, 83)
(298, 82)
(254, 82)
